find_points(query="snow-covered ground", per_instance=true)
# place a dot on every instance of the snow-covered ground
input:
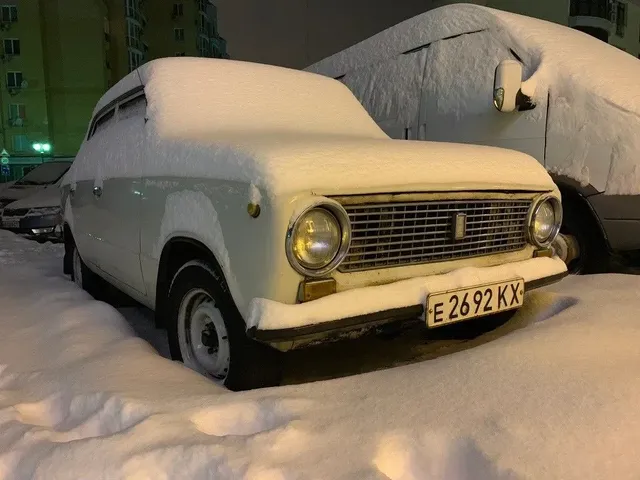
(552, 394)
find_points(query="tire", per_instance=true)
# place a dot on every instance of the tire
(82, 276)
(578, 221)
(207, 333)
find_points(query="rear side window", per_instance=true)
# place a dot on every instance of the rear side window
(103, 122)
(135, 107)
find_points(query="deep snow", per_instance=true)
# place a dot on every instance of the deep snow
(553, 395)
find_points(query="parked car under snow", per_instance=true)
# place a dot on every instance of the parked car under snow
(256, 209)
(37, 216)
(42, 177)
(435, 76)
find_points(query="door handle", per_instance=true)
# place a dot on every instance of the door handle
(97, 191)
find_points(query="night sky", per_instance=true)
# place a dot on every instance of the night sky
(296, 33)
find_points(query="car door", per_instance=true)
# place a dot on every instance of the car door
(116, 193)
(83, 216)
(457, 102)
(390, 91)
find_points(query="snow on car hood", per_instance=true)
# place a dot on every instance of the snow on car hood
(17, 192)
(593, 86)
(289, 164)
(44, 197)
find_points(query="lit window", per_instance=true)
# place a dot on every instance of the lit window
(11, 46)
(14, 79)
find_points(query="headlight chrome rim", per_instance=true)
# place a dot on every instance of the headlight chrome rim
(340, 214)
(557, 210)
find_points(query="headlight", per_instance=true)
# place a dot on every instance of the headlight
(318, 239)
(545, 221)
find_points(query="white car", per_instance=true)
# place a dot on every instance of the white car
(256, 209)
(467, 73)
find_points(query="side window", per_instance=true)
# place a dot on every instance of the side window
(135, 107)
(103, 122)
(391, 91)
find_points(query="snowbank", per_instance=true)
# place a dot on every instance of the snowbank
(81, 397)
(595, 100)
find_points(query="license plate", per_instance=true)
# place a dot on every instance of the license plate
(11, 222)
(466, 303)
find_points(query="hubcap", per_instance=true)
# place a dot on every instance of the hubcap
(202, 336)
(77, 268)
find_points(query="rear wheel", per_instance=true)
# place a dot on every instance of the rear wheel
(81, 275)
(207, 333)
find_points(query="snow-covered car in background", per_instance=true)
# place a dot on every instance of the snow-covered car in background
(256, 209)
(433, 77)
(43, 177)
(37, 216)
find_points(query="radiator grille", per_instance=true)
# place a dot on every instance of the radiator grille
(15, 212)
(395, 234)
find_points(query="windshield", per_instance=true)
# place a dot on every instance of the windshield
(45, 174)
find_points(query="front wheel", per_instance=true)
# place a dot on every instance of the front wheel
(581, 228)
(207, 333)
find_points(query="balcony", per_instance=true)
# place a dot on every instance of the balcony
(593, 17)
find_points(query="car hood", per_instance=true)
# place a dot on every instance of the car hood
(17, 192)
(347, 165)
(44, 197)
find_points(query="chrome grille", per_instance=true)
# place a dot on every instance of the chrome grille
(15, 212)
(395, 234)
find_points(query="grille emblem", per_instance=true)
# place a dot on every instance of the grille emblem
(459, 225)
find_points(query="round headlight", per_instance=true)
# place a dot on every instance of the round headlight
(316, 238)
(545, 221)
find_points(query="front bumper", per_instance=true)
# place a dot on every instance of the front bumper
(46, 227)
(354, 312)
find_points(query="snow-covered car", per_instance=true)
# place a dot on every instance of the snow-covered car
(435, 76)
(37, 216)
(43, 177)
(256, 208)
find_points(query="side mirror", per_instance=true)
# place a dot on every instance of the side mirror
(507, 95)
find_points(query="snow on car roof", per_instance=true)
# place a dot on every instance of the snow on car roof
(187, 94)
(553, 50)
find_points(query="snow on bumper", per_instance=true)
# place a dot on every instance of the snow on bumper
(280, 321)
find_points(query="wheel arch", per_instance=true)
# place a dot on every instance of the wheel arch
(175, 253)
(575, 196)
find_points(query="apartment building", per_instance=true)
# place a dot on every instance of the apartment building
(59, 56)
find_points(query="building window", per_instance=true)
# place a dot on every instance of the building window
(17, 110)
(14, 79)
(11, 46)
(20, 143)
(8, 13)
(202, 5)
(132, 9)
(621, 18)
(178, 34)
(135, 60)
(134, 35)
(178, 9)
(180, 54)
